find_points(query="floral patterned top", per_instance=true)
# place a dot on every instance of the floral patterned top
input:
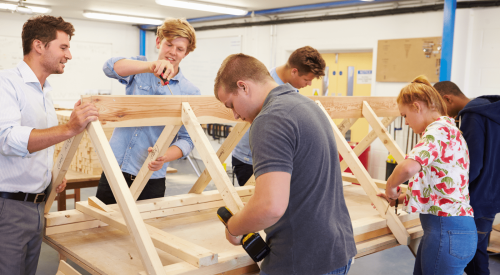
(441, 188)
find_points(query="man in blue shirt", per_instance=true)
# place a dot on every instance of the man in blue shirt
(131, 145)
(303, 65)
(480, 124)
(28, 131)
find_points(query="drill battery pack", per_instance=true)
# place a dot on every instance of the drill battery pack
(255, 246)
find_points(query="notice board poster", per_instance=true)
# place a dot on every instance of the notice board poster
(401, 60)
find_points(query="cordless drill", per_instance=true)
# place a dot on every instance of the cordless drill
(253, 243)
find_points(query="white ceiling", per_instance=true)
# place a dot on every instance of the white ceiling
(149, 8)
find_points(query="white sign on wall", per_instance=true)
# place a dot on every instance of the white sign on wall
(364, 77)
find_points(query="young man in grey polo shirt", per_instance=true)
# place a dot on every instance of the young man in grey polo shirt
(28, 131)
(298, 200)
(303, 65)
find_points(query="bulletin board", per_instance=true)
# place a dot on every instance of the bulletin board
(81, 74)
(201, 66)
(401, 60)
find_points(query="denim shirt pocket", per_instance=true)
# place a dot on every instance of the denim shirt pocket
(463, 244)
(143, 85)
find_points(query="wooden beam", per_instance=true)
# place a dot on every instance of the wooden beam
(159, 149)
(367, 140)
(153, 110)
(210, 159)
(187, 251)
(368, 185)
(61, 167)
(382, 133)
(158, 204)
(227, 261)
(251, 181)
(346, 124)
(126, 202)
(380, 183)
(97, 203)
(227, 147)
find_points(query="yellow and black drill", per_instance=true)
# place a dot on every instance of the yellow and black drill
(253, 243)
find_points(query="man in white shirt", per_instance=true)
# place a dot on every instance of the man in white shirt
(28, 131)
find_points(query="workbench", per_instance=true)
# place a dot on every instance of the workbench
(181, 234)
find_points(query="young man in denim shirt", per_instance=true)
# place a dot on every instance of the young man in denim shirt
(303, 65)
(131, 145)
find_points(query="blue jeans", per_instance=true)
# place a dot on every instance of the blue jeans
(338, 271)
(479, 264)
(447, 246)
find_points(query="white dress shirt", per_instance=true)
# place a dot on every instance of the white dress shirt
(24, 106)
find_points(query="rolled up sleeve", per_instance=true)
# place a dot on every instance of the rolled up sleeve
(184, 142)
(13, 137)
(109, 69)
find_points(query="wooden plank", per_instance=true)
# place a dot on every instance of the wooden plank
(227, 147)
(66, 269)
(382, 133)
(158, 204)
(61, 167)
(151, 110)
(368, 185)
(210, 159)
(126, 202)
(189, 252)
(380, 183)
(228, 261)
(251, 181)
(367, 140)
(97, 203)
(346, 124)
(159, 149)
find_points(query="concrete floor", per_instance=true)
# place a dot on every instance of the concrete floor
(398, 260)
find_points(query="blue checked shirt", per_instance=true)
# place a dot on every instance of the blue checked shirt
(24, 106)
(242, 150)
(130, 144)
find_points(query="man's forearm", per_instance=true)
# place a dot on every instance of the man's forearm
(126, 67)
(44, 138)
(251, 218)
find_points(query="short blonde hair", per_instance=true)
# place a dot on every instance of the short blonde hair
(239, 67)
(420, 89)
(174, 28)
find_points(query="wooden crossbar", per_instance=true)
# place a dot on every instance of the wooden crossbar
(129, 111)
(212, 162)
(187, 251)
(61, 167)
(366, 141)
(159, 149)
(368, 185)
(126, 202)
(226, 148)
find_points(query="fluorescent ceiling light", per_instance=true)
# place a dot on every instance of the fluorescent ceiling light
(201, 7)
(15, 7)
(122, 18)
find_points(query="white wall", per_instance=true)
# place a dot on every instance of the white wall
(123, 38)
